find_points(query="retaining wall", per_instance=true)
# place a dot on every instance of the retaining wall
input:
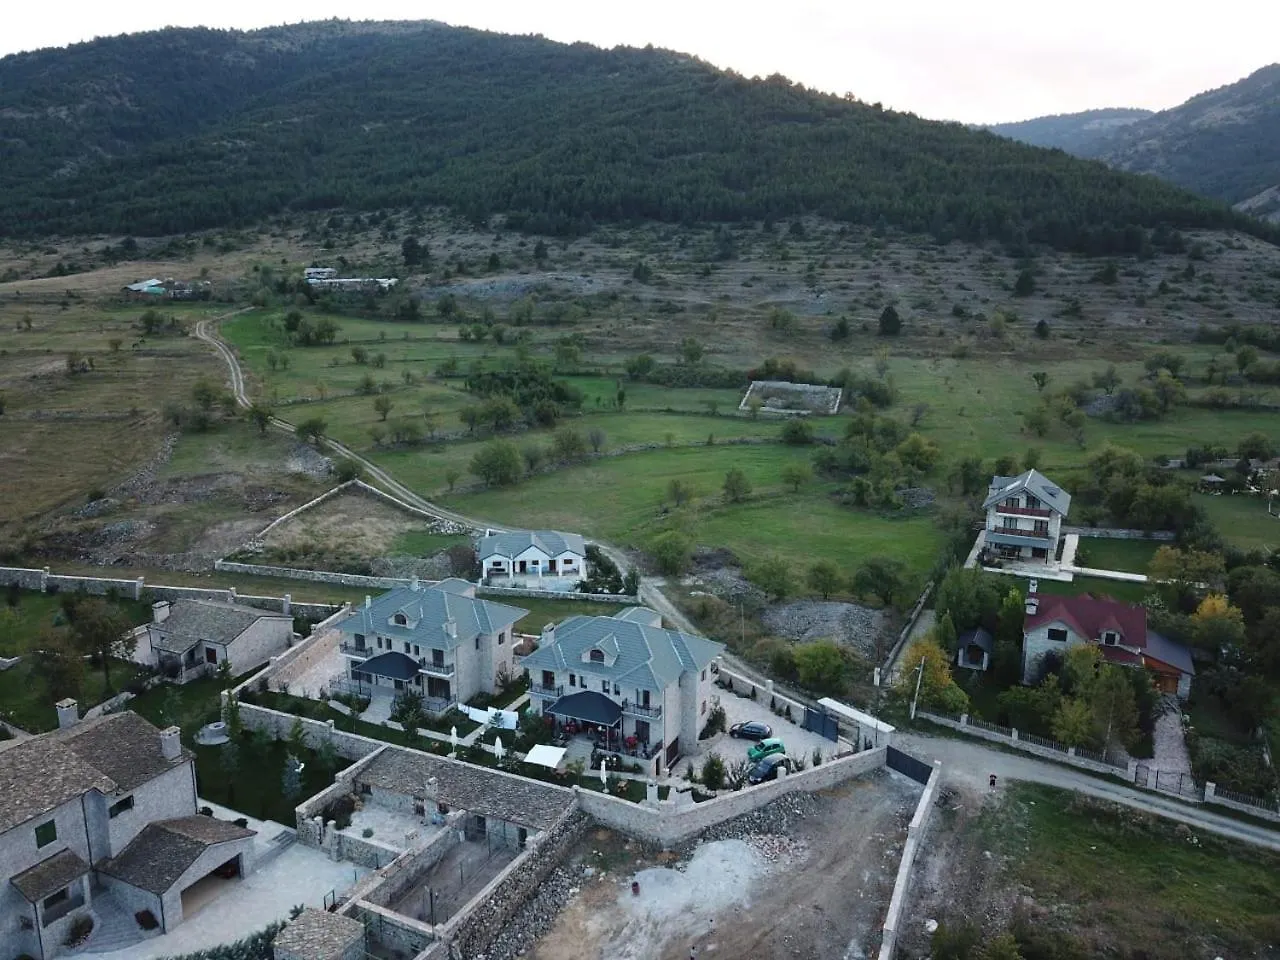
(623, 598)
(894, 916)
(315, 576)
(668, 826)
(411, 868)
(898, 644)
(1118, 533)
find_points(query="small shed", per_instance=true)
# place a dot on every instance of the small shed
(1211, 483)
(974, 649)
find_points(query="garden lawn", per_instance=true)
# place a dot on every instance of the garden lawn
(250, 777)
(1130, 556)
(422, 543)
(27, 702)
(1118, 589)
(542, 612)
(1242, 521)
(1110, 876)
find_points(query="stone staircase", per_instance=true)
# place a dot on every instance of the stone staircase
(114, 927)
(277, 845)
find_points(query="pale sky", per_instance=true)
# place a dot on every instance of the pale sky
(972, 60)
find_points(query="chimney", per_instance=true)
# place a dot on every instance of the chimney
(68, 713)
(160, 611)
(451, 629)
(171, 743)
(415, 585)
(549, 633)
(1033, 604)
(368, 601)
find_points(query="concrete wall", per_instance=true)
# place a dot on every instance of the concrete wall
(894, 916)
(1067, 755)
(624, 598)
(1116, 533)
(667, 825)
(131, 897)
(313, 576)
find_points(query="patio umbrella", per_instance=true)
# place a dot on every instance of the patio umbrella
(453, 738)
(498, 750)
(603, 780)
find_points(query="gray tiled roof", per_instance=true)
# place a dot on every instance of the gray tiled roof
(642, 615)
(124, 746)
(49, 875)
(318, 935)
(515, 542)
(426, 611)
(479, 790)
(637, 654)
(39, 775)
(1033, 482)
(158, 856)
(191, 621)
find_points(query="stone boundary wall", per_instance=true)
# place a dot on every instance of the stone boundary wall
(322, 644)
(1213, 796)
(392, 930)
(349, 746)
(315, 576)
(894, 651)
(365, 853)
(668, 826)
(304, 814)
(42, 580)
(473, 928)
(894, 919)
(412, 866)
(1067, 756)
(1117, 533)
(622, 598)
(299, 651)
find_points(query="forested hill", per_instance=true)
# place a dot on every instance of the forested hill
(187, 129)
(1073, 132)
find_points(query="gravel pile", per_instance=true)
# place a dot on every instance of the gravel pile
(535, 917)
(309, 461)
(729, 584)
(848, 623)
(774, 819)
(915, 498)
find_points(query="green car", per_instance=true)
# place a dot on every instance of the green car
(766, 748)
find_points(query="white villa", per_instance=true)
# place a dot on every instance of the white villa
(643, 689)
(532, 558)
(440, 641)
(1024, 517)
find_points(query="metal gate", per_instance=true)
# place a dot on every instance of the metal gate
(821, 724)
(1167, 781)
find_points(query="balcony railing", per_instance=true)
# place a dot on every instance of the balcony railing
(543, 690)
(364, 650)
(436, 669)
(1022, 532)
(1023, 511)
(439, 704)
(640, 710)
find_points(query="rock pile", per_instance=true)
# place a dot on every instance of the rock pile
(774, 819)
(848, 623)
(535, 917)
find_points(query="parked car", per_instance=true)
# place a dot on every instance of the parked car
(751, 730)
(767, 769)
(766, 748)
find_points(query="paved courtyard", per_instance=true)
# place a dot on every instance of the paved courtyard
(799, 741)
(299, 875)
(392, 828)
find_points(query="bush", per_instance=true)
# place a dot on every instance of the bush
(713, 772)
(715, 723)
(79, 932)
(797, 432)
(146, 919)
(339, 810)
(672, 552)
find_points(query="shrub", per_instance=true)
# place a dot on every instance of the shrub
(672, 552)
(79, 932)
(713, 772)
(146, 919)
(367, 832)
(797, 432)
(715, 723)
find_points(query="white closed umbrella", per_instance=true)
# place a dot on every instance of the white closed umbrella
(453, 738)
(603, 779)
(499, 750)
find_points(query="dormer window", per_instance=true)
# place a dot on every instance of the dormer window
(597, 656)
(1111, 638)
(400, 619)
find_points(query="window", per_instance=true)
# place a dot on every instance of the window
(378, 641)
(210, 655)
(1057, 635)
(615, 690)
(604, 686)
(359, 638)
(406, 646)
(119, 807)
(597, 656)
(365, 789)
(46, 833)
(548, 678)
(704, 674)
(573, 679)
(477, 641)
(1111, 638)
(400, 619)
(417, 650)
(502, 638)
(54, 899)
(704, 707)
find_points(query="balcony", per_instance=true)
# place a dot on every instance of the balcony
(1023, 511)
(640, 710)
(1021, 532)
(543, 690)
(364, 650)
(446, 670)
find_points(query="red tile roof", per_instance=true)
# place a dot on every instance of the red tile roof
(1089, 616)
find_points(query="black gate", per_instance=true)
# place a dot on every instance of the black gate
(1168, 781)
(821, 724)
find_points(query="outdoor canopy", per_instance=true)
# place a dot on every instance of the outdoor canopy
(395, 666)
(589, 707)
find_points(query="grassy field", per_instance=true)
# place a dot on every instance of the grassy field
(1243, 521)
(1119, 589)
(542, 612)
(1109, 879)
(1129, 556)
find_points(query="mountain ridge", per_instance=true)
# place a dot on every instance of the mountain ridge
(184, 129)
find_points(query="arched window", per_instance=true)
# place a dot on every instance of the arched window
(400, 619)
(597, 656)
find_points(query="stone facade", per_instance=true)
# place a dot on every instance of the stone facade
(320, 935)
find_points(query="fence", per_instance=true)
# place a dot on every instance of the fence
(1258, 807)
(1041, 747)
(1167, 781)
(894, 919)
(887, 670)
(1117, 533)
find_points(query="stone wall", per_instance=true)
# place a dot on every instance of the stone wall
(667, 825)
(411, 868)
(349, 746)
(314, 576)
(475, 926)
(894, 918)
(24, 577)
(310, 833)
(321, 645)
(901, 642)
(393, 931)
(1117, 533)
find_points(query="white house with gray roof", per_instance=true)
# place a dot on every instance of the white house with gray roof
(648, 687)
(440, 641)
(99, 818)
(1024, 517)
(532, 558)
(188, 638)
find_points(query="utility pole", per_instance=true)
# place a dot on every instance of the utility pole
(916, 697)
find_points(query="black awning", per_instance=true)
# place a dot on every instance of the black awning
(589, 707)
(396, 666)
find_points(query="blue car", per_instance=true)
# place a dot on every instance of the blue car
(751, 730)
